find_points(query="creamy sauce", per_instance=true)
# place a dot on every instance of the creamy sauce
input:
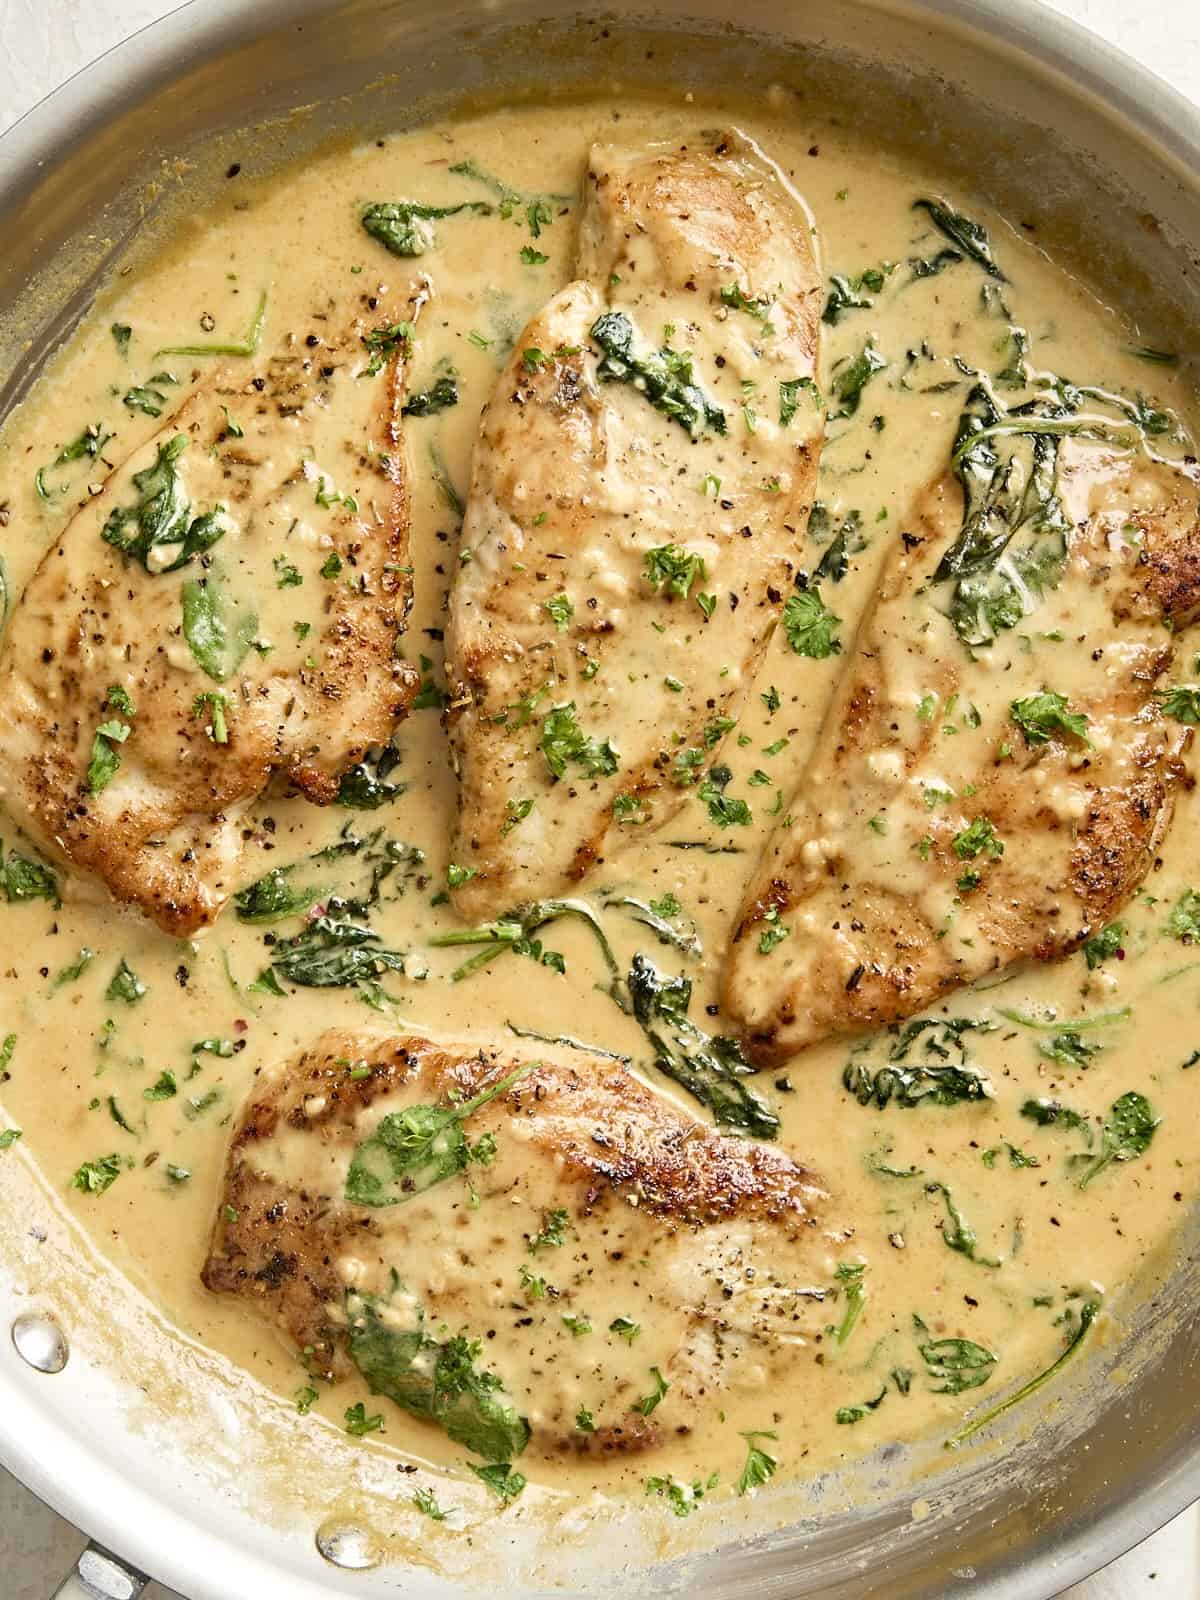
(907, 1183)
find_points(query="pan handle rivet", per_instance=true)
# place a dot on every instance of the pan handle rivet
(40, 1342)
(345, 1544)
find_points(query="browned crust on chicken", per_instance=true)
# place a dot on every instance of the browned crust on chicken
(1081, 829)
(614, 1146)
(169, 842)
(575, 479)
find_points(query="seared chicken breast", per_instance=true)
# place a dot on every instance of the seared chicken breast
(225, 606)
(389, 1201)
(962, 810)
(638, 492)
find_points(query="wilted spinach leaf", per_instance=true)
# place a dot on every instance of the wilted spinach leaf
(437, 1381)
(365, 786)
(665, 376)
(937, 1080)
(713, 1069)
(953, 1365)
(405, 227)
(419, 1146)
(159, 529)
(218, 629)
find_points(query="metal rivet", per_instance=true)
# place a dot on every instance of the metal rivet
(345, 1544)
(40, 1341)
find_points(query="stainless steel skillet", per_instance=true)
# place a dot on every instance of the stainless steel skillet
(1032, 111)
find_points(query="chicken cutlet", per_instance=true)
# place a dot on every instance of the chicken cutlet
(964, 810)
(224, 607)
(639, 489)
(390, 1201)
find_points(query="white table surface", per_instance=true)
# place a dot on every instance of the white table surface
(43, 42)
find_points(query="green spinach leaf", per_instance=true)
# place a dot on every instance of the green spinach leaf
(159, 529)
(438, 1381)
(666, 377)
(419, 1146)
(219, 630)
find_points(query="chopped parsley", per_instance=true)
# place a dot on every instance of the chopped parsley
(125, 985)
(759, 1465)
(563, 740)
(651, 1402)
(553, 1232)
(560, 611)
(810, 627)
(94, 1177)
(1040, 715)
(979, 838)
(1102, 946)
(672, 570)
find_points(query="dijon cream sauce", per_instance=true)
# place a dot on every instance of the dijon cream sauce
(298, 237)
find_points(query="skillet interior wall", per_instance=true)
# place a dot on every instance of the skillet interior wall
(118, 196)
(99, 201)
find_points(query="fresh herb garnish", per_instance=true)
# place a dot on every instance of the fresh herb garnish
(850, 1275)
(651, 1402)
(505, 1482)
(849, 1415)
(563, 740)
(759, 1466)
(811, 628)
(426, 1503)
(1040, 715)
(413, 1149)
(790, 390)
(216, 705)
(1184, 922)
(672, 570)
(125, 985)
(758, 307)
(560, 611)
(1100, 947)
(358, 1423)
(94, 1177)
(24, 879)
(105, 760)
(683, 1498)
(1182, 702)
(386, 342)
(552, 1234)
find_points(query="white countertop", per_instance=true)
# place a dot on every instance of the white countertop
(42, 42)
